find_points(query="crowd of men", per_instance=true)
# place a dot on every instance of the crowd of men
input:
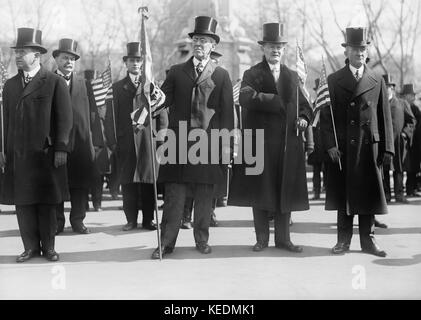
(59, 145)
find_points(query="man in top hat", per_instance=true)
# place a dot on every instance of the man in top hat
(80, 164)
(365, 143)
(403, 122)
(414, 158)
(269, 95)
(37, 124)
(199, 97)
(137, 185)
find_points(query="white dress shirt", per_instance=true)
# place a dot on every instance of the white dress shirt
(203, 62)
(135, 79)
(275, 69)
(354, 71)
(63, 75)
(31, 73)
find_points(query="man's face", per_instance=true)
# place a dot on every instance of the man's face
(202, 46)
(356, 55)
(390, 91)
(66, 62)
(273, 52)
(133, 65)
(410, 97)
(27, 58)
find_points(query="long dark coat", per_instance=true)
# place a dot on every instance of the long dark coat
(403, 121)
(282, 186)
(414, 158)
(38, 121)
(364, 130)
(124, 92)
(81, 158)
(213, 90)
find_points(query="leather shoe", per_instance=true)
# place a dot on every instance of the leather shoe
(375, 250)
(340, 248)
(51, 255)
(203, 248)
(81, 229)
(289, 246)
(28, 254)
(379, 224)
(149, 226)
(259, 246)
(165, 250)
(186, 225)
(130, 226)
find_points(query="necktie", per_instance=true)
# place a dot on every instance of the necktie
(357, 76)
(199, 69)
(275, 73)
(67, 78)
(136, 81)
(27, 79)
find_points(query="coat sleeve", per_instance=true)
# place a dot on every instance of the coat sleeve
(227, 104)
(4, 116)
(168, 88)
(409, 121)
(259, 102)
(62, 116)
(384, 117)
(327, 134)
(110, 123)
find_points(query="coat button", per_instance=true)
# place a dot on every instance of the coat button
(352, 122)
(352, 104)
(352, 142)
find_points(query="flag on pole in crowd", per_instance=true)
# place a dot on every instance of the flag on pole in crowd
(102, 87)
(323, 96)
(236, 92)
(301, 65)
(148, 94)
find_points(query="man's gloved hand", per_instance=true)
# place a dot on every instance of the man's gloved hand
(2, 160)
(60, 158)
(385, 159)
(301, 124)
(249, 90)
(334, 154)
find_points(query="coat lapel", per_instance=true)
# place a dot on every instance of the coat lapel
(269, 81)
(75, 85)
(346, 80)
(366, 83)
(207, 72)
(188, 68)
(37, 82)
(129, 86)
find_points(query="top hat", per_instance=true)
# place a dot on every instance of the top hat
(356, 37)
(29, 38)
(90, 74)
(206, 26)
(408, 89)
(66, 46)
(273, 33)
(134, 50)
(388, 80)
(316, 84)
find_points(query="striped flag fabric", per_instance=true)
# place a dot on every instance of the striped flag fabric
(301, 65)
(323, 96)
(3, 78)
(102, 87)
(236, 92)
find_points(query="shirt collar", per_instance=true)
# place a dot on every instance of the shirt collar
(31, 73)
(133, 78)
(204, 62)
(274, 67)
(354, 70)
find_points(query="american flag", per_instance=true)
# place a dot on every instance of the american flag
(3, 77)
(301, 65)
(148, 93)
(323, 96)
(236, 92)
(102, 87)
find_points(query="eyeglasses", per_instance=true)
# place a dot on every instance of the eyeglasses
(201, 40)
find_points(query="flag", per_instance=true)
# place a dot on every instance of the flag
(236, 92)
(301, 65)
(102, 88)
(148, 95)
(323, 96)
(3, 78)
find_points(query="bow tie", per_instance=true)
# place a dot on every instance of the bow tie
(27, 78)
(67, 78)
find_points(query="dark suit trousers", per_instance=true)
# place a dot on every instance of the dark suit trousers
(365, 225)
(37, 226)
(78, 199)
(97, 189)
(136, 195)
(175, 197)
(397, 183)
(261, 226)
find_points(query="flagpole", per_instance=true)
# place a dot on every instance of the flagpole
(112, 105)
(334, 133)
(2, 130)
(153, 151)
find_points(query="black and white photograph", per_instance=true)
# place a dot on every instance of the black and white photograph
(210, 154)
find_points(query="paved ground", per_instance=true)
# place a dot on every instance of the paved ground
(112, 264)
